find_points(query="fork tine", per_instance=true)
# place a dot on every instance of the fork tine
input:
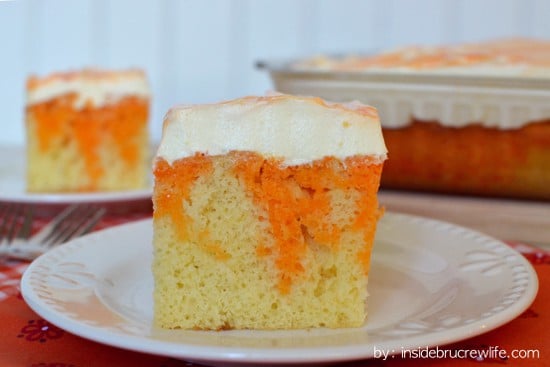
(77, 224)
(12, 223)
(89, 222)
(16, 222)
(71, 222)
(4, 211)
(63, 224)
(49, 229)
(26, 227)
(6, 215)
(4, 219)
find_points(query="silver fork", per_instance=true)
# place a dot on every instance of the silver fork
(10, 225)
(73, 221)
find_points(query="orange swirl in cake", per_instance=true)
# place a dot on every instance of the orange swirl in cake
(87, 131)
(265, 213)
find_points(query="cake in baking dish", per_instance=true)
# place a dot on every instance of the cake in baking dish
(467, 118)
(87, 131)
(265, 209)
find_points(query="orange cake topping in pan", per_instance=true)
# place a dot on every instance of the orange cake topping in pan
(521, 57)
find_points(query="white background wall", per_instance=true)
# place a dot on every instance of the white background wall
(198, 51)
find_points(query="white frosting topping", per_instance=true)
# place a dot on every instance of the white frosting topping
(297, 130)
(97, 88)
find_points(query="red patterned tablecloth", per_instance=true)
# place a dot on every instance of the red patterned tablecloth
(28, 340)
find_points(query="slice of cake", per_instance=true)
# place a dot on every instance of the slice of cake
(87, 131)
(265, 210)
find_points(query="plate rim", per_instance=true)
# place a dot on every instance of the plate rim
(251, 355)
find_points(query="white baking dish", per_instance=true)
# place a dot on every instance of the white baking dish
(505, 102)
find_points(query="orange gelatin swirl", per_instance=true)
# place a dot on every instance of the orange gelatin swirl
(295, 198)
(90, 126)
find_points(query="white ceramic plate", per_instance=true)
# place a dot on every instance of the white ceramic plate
(12, 185)
(431, 283)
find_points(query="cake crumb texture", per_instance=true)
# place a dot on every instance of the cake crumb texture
(93, 148)
(242, 241)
